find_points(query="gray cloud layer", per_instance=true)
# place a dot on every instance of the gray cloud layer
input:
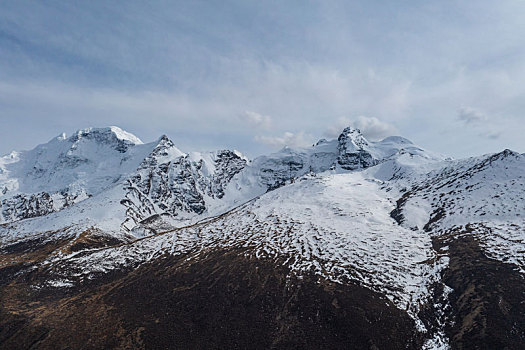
(248, 75)
(471, 116)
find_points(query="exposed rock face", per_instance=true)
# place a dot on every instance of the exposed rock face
(22, 207)
(353, 150)
(25, 206)
(350, 152)
(275, 171)
(227, 164)
(167, 178)
(171, 182)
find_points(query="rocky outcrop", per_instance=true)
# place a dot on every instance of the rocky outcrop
(351, 151)
(171, 182)
(354, 150)
(227, 164)
(25, 206)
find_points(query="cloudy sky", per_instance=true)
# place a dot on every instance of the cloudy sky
(256, 75)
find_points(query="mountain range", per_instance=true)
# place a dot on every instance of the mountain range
(109, 242)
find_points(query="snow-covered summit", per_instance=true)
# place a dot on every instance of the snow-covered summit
(91, 158)
(66, 170)
(108, 133)
(353, 139)
(351, 151)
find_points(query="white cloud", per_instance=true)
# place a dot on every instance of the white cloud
(335, 130)
(374, 129)
(256, 120)
(471, 115)
(299, 139)
(371, 127)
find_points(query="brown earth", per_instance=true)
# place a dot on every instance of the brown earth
(227, 299)
(222, 299)
(487, 304)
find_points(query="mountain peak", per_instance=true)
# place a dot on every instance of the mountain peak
(352, 138)
(505, 154)
(165, 149)
(124, 135)
(351, 129)
(107, 132)
(164, 140)
(397, 139)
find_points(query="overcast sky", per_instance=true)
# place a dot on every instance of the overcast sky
(256, 75)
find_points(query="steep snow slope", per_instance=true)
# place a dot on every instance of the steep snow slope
(485, 193)
(488, 188)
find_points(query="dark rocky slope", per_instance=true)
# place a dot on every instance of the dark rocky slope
(217, 300)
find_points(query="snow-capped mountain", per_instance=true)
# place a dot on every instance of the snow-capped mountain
(141, 180)
(159, 182)
(349, 243)
(66, 171)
